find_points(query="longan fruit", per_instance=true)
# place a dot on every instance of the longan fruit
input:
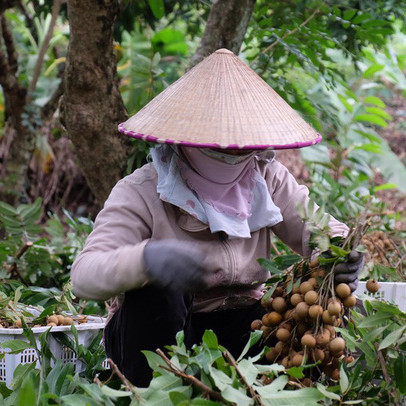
(285, 362)
(301, 328)
(278, 292)
(283, 334)
(328, 318)
(343, 290)
(318, 355)
(335, 374)
(297, 360)
(288, 314)
(279, 304)
(336, 345)
(314, 263)
(331, 329)
(315, 311)
(296, 299)
(307, 382)
(308, 341)
(280, 347)
(305, 287)
(350, 301)
(274, 318)
(313, 282)
(52, 324)
(271, 355)
(349, 359)
(18, 323)
(60, 319)
(321, 273)
(52, 319)
(372, 286)
(256, 325)
(311, 297)
(302, 310)
(323, 338)
(67, 321)
(286, 326)
(334, 308)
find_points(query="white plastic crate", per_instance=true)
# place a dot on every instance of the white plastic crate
(86, 333)
(392, 292)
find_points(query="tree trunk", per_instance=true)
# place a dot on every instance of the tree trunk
(92, 106)
(226, 27)
(17, 141)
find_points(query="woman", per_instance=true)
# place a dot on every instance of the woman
(177, 241)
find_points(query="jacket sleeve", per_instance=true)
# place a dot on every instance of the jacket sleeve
(287, 194)
(112, 259)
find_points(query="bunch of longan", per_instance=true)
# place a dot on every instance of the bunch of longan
(299, 323)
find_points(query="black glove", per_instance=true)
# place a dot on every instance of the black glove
(347, 272)
(176, 265)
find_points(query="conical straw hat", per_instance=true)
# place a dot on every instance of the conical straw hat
(221, 103)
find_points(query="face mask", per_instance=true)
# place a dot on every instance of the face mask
(226, 158)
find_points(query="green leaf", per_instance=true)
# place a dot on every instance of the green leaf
(375, 320)
(295, 372)
(349, 14)
(344, 382)
(392, 338)
(178, 397)
(375, 101)
(379, 112)
(371, 118)
(77, 399)
(154, 361)
(16, 346)
(27, 395)
(372, 69)
(326, 392)
(234, 395)
(374, 148)
(338, 251)
(114, 393)
(254, 338)
(157, 8)
(385, 186)
(248, 370)
(400, 373)
(210, 339)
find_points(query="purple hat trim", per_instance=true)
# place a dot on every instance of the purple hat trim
(151, 138)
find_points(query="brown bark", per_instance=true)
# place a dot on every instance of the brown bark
(226, 27)
(17, 142)
(5, 4)
(92, 106)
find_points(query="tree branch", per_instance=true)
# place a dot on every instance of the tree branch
(123, 379)
(5, 4)
(37, 71)
(225, 28)
(192, 379)
(254, 395)
(9, 43)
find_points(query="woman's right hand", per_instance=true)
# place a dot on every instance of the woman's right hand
(175, 265)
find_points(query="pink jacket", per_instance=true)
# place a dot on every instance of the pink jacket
(112, 259)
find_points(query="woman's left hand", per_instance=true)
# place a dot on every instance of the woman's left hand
(347, 272)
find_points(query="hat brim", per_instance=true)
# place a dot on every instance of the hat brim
(151, 138)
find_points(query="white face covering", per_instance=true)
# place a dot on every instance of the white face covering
(172, 188)
(226, 158)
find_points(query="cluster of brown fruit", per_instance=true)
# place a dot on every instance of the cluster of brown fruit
(54, 320)
(299, 324)
(378, 244)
